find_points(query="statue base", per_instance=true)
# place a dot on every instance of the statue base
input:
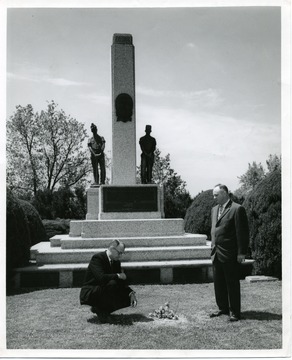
(108, 202)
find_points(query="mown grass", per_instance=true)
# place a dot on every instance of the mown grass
(53, 319)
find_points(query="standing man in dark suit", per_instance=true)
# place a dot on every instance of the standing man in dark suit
(105, 287)
(230, 239)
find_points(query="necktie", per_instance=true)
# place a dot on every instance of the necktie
(112, 265)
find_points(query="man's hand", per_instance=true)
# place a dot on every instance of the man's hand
(122, 276)
(240, 258)
(133, 299)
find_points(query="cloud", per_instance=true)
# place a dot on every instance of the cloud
(206, 147)
(64, 82)
(191, 45)
(96, 98)
(204, 98)
(12, 76)
(43, 77)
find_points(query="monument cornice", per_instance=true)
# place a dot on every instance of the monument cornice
(125, 39)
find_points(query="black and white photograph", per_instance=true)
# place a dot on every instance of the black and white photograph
(146, 179)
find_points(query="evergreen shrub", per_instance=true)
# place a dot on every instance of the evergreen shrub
(24, 228)
(36, 227)
(263, 207)
(198, 215)
(176, 206)
(56, 227)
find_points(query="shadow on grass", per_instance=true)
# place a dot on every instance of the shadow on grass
(260, 315)
(122, 319)
(20, 291)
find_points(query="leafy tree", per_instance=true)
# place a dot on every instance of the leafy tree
(255, 174)
(252, 177)
(176, 197)
(239, 195)
(273, 162)
(23, 130)
(162, 170)
(44, 151)
(263, 207)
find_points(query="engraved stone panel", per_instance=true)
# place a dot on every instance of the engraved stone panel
(129, 199)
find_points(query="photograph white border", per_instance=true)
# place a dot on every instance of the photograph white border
(286, 182)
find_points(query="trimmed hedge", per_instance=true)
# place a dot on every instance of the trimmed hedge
(36, 227)
(24, 228)
(17, 235)
(263, 207)
(198, 215)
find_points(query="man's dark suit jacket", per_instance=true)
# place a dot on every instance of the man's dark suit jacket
(100, 273)
(230, 233)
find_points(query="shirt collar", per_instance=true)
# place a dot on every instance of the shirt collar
(109, 259)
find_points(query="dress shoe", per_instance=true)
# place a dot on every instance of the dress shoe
(233, 317)
(219, 313)
(103, 317)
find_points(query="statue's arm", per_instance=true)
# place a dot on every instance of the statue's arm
(102, 144)
(142, 147)
(91, 150)
(154, 145)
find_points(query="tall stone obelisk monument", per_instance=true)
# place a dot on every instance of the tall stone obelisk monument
(123, 113)
(123, 198)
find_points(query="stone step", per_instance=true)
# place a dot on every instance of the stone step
(124, 264)
(69, 242)
(38, 275)
(44, 254)
(126, 228)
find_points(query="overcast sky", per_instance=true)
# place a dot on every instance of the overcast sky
(208, 80)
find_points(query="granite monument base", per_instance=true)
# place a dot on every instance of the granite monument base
(110, 202)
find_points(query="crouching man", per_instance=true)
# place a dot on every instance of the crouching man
(105, 286)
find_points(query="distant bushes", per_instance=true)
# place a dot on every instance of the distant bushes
(24, 228)
(176, 206)
(63, 203)
(263, 206)
(56, 227)
(198, 215)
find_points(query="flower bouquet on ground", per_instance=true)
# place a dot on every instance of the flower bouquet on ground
(164, 312)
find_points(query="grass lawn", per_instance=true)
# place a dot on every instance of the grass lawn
(53, 319)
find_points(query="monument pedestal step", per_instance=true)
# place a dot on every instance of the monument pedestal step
(44, 254)
(69, 242)
(126, 227)
(69, 275)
